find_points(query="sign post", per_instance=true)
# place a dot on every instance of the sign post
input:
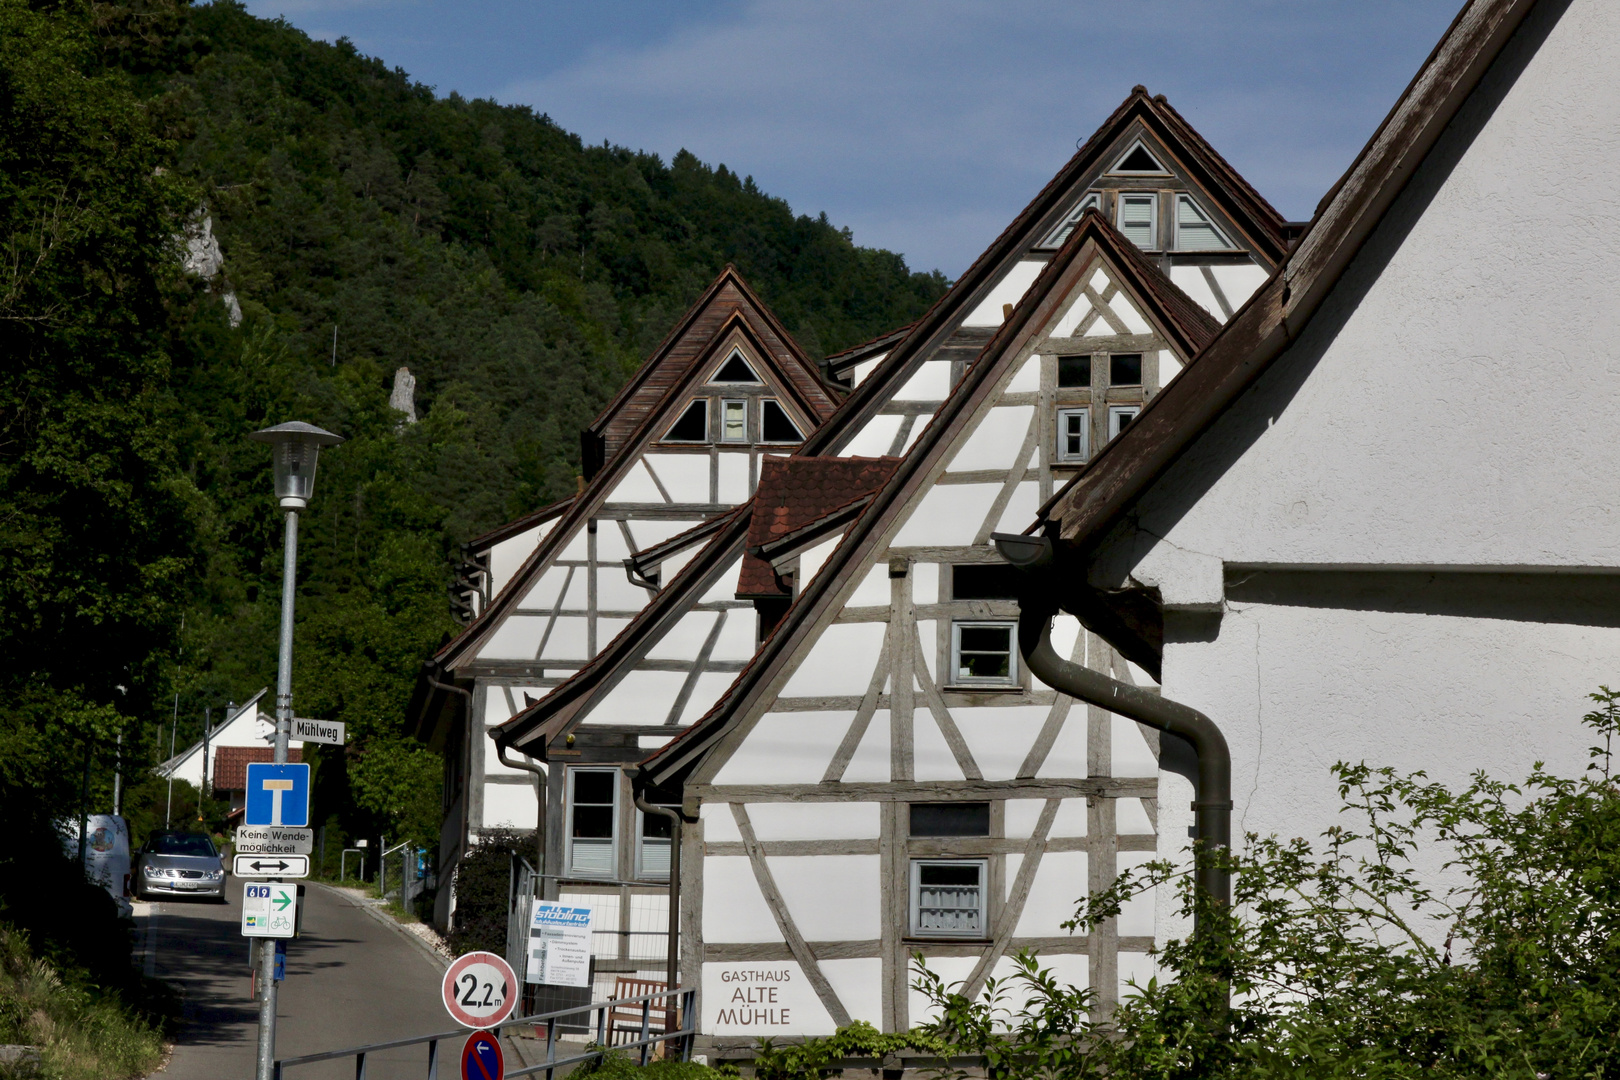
(479, 990)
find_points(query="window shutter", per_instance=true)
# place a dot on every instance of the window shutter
(1136, 214)
(1194, 230)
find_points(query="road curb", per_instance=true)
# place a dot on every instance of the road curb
(374, 909)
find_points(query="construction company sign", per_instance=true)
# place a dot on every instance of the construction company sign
(771, 998)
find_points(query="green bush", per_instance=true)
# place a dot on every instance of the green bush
(483, 884)
(1345, 960)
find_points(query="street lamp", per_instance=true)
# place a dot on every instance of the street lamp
(295, 448)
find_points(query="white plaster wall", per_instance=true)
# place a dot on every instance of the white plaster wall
(733, 477)
(738, 636)
(710, 685)
(1238, 282)
(1000, 736)
(808, 882)
(840, 662)
(873, 591)
(610, 544)
(733, 908)
(641, 697)
(997, 440)
(1028, 378)
(1190, 280)
(1297, 689)
(685, 639)
(614, 592)
(685, 476)
(870, 765)
(948, 514)
(511, 806)
(516, 638)
(810, 561)
(567, 640)
(930, 382)
(814, 821)
(786, 748)
(1060, 882)
(859, 985)
(866, 367)
(507, 556)
(874, 439)
(1467, 412)
(1009, 290)
(636, 486)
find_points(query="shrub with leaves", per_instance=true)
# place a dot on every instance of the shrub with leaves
(1437, 933)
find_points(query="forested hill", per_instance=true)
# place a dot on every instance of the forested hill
(519, 274)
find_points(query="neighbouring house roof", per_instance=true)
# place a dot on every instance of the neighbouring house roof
(231, 762)
(248, 710)
(795, 494)
(1104, 491)
(518, 525)
(1255, 218)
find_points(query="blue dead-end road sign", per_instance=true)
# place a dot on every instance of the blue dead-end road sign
(481, 1057)
(277, 795)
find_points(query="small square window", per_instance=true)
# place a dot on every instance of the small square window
(948, 898)
(1125, 369)
(950, 819)
(593, 804)
(983, 653)
(1139, 219)
(734, 421)
(1073, 434)
(1120, 418)
(1074, 371)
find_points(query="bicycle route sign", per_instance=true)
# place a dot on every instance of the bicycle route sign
(480, 990)
(269, 910)
(481, 1057)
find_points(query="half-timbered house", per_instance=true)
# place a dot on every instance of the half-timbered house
(681, 442)
(1126, 328)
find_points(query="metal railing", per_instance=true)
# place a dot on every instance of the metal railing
(609, 1015)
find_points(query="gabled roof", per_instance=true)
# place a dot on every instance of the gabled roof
(249, 709)
(839, 362)
(1103, 492)
(794, 496)
(1256, 219)
(681, 350)
(1093, 238)
(231, 762)
(533, 727)
(728, 307)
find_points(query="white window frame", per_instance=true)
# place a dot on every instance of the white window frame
(1008, 680)
(568, 836)
(1153, 216)
(777, 442)
(642, 873)
(1220, 234)
(1115, 412)
(724, 404)
(915, 905)
(1084, 413)
(689, 442)
(1092, 200)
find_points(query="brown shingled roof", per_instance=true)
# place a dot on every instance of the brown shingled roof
(797, 492)
(231, 762)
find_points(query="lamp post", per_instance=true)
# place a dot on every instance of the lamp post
(295, 448)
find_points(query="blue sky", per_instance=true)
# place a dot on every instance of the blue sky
(923, 125)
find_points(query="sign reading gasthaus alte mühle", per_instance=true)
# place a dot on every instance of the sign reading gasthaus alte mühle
(761, 999)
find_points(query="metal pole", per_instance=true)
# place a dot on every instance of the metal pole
(267, 946)
(118, 777)
(174, 726)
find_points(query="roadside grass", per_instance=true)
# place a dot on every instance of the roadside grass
(82, 1033)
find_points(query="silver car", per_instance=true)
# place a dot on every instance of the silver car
(179, 864)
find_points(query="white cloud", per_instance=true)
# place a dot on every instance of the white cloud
(925, 125)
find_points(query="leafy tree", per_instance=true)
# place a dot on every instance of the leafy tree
(1348, 959)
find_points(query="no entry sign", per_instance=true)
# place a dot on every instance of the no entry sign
(481, 1057)
(480, 990)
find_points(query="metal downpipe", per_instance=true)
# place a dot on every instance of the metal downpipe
(1035, 556)
(675, 819)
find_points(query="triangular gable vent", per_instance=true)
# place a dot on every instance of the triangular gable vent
(693, 426)
(735, 370)
(1138, 160)
(776, 425)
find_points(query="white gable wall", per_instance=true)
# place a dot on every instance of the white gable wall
(1454, 405)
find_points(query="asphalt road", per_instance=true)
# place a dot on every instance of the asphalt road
(350, 980)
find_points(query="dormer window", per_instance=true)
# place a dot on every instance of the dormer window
(1194, 229)
(693, 426)
(775, 425)
(1139, 219)
(1138, 159)
(736, 370)
(734, 420)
